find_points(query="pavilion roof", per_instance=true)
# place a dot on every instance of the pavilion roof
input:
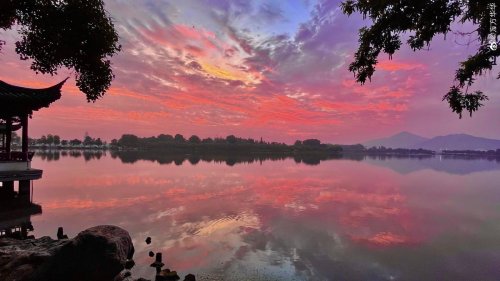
(17, 101)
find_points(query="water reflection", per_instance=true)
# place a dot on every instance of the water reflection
(460, 165)
(16, 209)
(453, 164)
(283, 220)
(229, 159)
(400, 163)
(54, 155)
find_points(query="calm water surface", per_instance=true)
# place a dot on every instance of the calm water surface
(392, 219)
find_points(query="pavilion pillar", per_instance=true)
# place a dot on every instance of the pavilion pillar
(24, 231)
(24, 124)
(24, 193)
(8, 136)
(8, 187)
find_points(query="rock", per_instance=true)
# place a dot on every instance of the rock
(148, 240)
(125, 275)
(158, 264)
(167, 275)
(60, 234)
(20, 259)
(151, 254)
(98, 253)
(129, 264)
(190, 277)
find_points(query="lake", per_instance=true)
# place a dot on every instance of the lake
(367, 218)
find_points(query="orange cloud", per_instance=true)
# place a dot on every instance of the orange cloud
(386, 239)
(343, 107)
(391, 65)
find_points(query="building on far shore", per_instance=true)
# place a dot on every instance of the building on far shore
(17, 105)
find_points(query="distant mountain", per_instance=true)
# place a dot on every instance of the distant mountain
(448, 142)
(401, 140)
(459, 142)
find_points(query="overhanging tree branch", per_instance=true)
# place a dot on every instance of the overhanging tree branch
(424, 19)
(76, 34)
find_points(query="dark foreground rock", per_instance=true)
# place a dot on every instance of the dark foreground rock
(20, 259)
(98, 254)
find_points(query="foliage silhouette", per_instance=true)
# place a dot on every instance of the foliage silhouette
(231, 144)
(77, 34)
(424, 19)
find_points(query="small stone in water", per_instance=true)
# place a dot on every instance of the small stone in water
(167, 275)
(151, 254)
(129, 264)
(60, 234)
(148, 240)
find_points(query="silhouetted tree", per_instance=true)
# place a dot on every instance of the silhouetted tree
(231, 139)
(165, 138)
(297, 143)
(88, 140)
(220, 140)
(179, 138)
(75, 142)
(312, 142)
(207, 140)
(425, 19)
(57, 140)
(77, 34)
(50, 139)
(129, 140)
(43, 140)
(194, 139)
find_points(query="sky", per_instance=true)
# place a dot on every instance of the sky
(265, 68)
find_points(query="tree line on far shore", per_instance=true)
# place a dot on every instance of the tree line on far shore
(56, 141)
(129, 140)
(178, 143)
(230, 143)
(236, 145)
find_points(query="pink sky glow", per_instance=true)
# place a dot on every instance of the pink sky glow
(271, 69)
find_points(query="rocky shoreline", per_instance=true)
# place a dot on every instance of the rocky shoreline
(100, 253)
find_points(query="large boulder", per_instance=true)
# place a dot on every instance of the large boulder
(98, 254)
(20, 259)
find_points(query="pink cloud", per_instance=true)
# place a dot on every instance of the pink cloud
(393, 65)
(220, 76)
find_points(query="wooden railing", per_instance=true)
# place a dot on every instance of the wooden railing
(16, 156)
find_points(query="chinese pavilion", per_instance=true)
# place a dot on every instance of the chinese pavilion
(17, 105)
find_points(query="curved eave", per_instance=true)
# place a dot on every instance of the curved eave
(17, 101)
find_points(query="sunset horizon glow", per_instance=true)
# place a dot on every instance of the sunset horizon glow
(271, 69)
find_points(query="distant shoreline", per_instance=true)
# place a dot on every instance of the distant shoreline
(234, 157)
(287, 149)
(178, 144)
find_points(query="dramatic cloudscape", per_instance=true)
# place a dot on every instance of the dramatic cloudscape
(267, 68)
